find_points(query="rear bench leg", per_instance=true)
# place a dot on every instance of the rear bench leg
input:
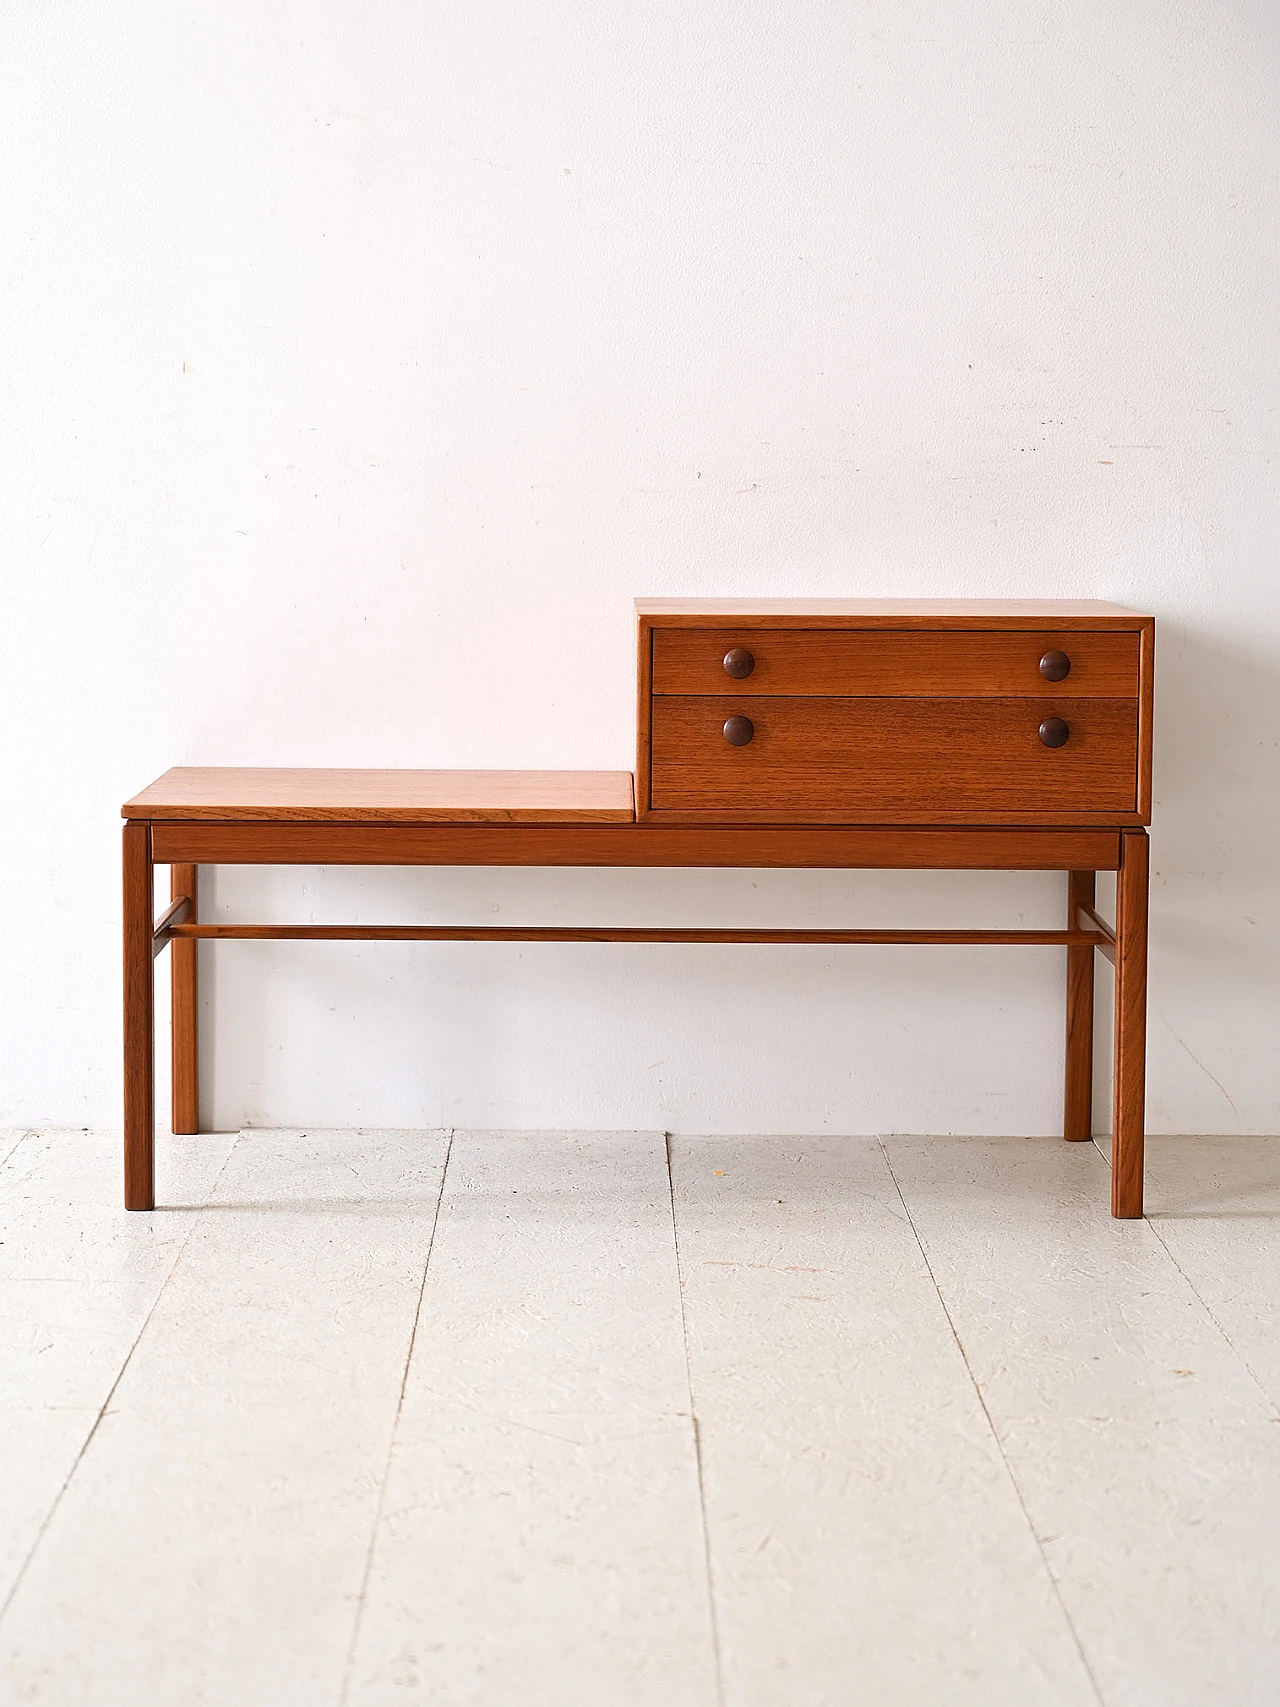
(185, 1005)
(1078, 1099)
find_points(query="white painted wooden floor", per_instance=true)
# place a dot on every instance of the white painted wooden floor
(610, 1420)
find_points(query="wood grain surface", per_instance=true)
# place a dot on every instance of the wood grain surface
(1077, 1117)
(388, 796)
(632, 934)
(139, 1020)
(901, 761)
(892, 613)
(885, 663)
(1129, 1081)
(795, 847)
(178, 910)
(1146, 719)
(184, 880)
(644, 717)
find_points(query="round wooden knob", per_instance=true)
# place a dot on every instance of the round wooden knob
(738, 663)
(1055, 666)
(1053, 732)
(739, 730)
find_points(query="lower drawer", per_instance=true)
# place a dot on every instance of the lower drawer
(855, 761)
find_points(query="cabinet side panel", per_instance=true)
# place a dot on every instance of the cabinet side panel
(1146, 717)
(644, 714)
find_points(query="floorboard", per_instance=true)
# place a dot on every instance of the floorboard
(922, 1424)
(211, 1546)
(866, 1540)
(78, 1280)
(541, 1539)
(1214, 1204)
(1144, 1450)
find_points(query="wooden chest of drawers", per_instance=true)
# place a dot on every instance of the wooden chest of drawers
(852, 712)
(816, 734)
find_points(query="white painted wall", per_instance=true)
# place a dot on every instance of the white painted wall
(361, 362)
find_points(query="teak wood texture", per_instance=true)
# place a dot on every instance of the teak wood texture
(139, 1019)
(786, 847)
(1077, 1113)
(184, 880)
(880, 662)
(890, 760)
(791, 734)
(387, 797)
(893, 711)
(179, 934)
(891, 613)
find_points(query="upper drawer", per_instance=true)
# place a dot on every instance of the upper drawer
(895, 663)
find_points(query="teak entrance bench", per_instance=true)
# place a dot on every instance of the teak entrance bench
(798, 734)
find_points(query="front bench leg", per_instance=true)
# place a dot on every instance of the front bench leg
(1129, 1109)
(139, 1020)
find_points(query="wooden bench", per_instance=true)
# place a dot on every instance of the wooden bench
(941, 726)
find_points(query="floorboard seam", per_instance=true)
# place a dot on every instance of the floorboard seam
(20, 1138)
(1271, 1404)
(995, 1435)
(348, 1670)
(120, 1374)
(697, 1436)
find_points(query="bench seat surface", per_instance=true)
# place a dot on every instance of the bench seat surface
(226, 795)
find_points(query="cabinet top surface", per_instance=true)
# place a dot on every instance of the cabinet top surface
(397, 796)
(939, 613)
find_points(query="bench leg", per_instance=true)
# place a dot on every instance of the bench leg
(1078, 1099)
(185, 1029)
(1128, 1124)
(139, 1021)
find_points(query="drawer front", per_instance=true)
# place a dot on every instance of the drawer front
(893, 664)
(877, 760)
